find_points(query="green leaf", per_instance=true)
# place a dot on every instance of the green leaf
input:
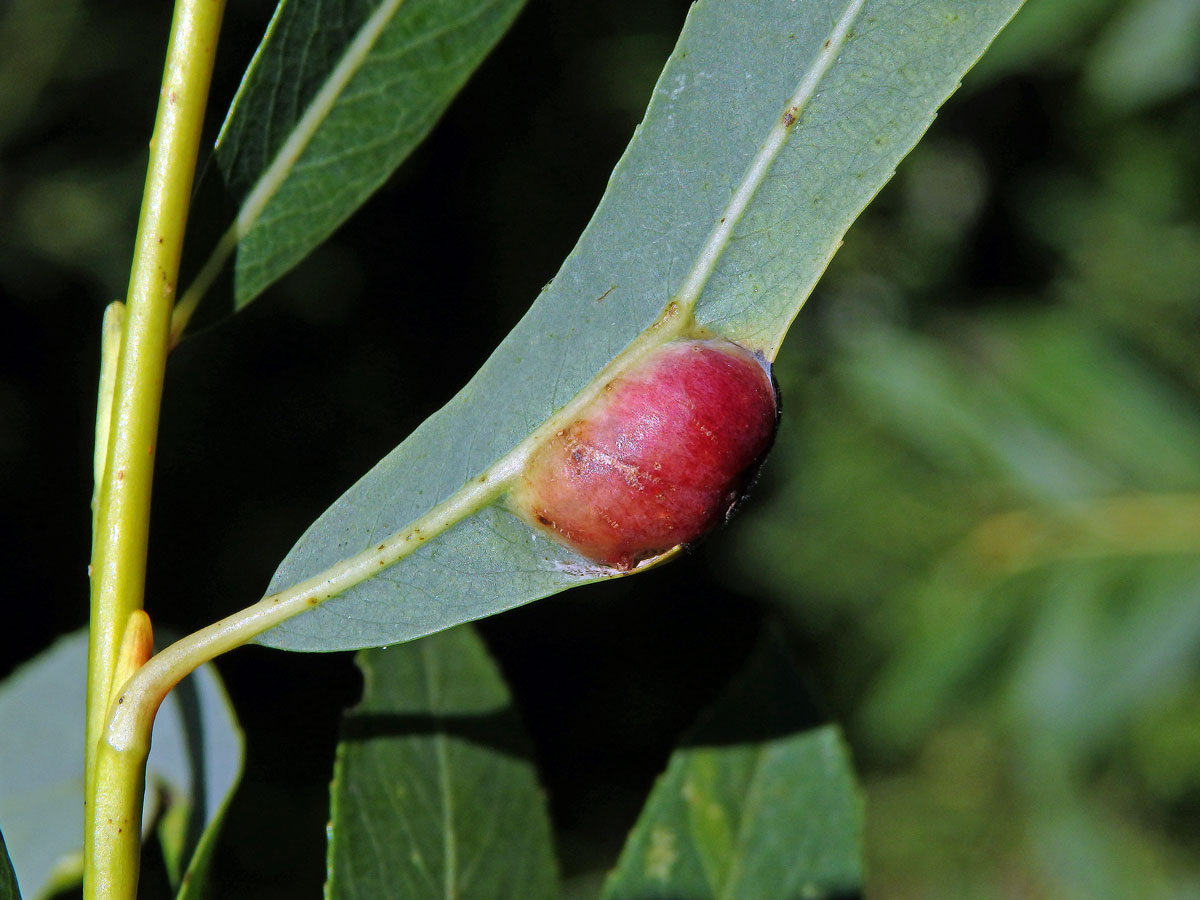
(193, 766)
(433, 796)
(8, 879)
(191, 824)
(1148, 54)
(758, 804)
(1036, 410)
(334, 100)
(1047, 36)
(1110, 637)
(195, 884)
(718, 204)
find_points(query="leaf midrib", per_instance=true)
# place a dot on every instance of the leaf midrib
(760, 166)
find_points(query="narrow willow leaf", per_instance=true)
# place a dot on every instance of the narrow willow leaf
(758, 804)
(195, 881)
(194, 763)
(772, 126)
(336, 97)
(8, 879)
(191, 825)
(432, 796)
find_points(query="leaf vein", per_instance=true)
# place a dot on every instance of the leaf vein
(760, 167)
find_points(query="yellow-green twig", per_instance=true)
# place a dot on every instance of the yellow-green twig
(123, 499)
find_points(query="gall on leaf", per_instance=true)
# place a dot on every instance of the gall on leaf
(658, 459)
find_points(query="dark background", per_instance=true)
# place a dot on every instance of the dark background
(1010, 328)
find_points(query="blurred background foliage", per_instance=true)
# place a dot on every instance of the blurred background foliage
(983, 509)
(981, 520)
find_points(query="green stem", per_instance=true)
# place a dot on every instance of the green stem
(122, 510)
(113, 857)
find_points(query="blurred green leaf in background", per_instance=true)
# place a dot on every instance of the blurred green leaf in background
(990, 525)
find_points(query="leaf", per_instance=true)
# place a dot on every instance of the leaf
(8, 880)
(195, 884)
(718, 204)
(758, 803)
(191, 825)
(194, 763)
(433, 796)
(1109, 638)
(1148, 54)
(334, 100)
(1046, 36)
